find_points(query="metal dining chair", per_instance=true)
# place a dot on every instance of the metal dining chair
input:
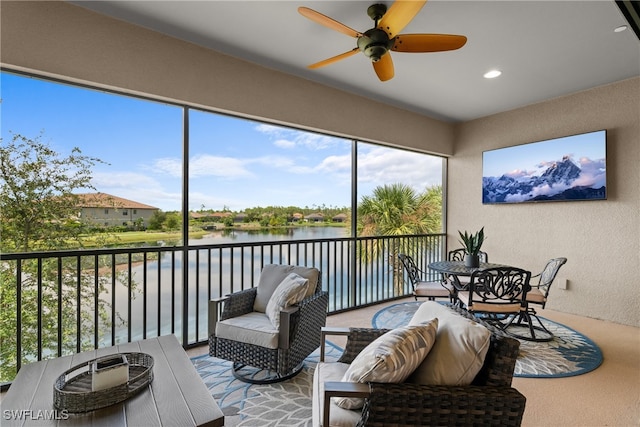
(498, 295)
(538, 295)
(423, 288)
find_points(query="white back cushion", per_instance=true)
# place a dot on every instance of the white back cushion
(391, 358)
(460, 348)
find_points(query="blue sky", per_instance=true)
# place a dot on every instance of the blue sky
(234, 163)
(585, 150)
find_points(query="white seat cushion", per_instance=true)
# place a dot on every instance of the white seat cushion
(535, 295)
(252, 328)
(390, 358)
(339, 417)
(273, 274)
(432, 289)
(459, 351)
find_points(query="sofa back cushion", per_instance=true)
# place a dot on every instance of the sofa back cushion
(391, 358)
(459, 351)
(273, 274)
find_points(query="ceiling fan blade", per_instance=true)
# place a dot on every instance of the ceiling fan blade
(328, 22)
(384, 67)
(427, 42)
(399, 15)
(333, 59)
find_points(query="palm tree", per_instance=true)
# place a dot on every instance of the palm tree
(396, 210)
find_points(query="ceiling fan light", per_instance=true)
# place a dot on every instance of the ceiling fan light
(492, 74)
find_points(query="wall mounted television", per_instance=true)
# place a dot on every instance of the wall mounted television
(569, 168)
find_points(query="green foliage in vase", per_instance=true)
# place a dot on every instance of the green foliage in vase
(472, 242)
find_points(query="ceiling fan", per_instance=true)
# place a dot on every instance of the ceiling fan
(385, 36)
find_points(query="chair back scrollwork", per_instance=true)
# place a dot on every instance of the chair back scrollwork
(413, 272)
(458, 255)
(499, 286)
(548, 275)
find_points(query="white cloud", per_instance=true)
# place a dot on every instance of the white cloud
(382, 165)
(123, 180)
(168, 165)
(518, 174)
(593, 173)
(224, 167)
(138, 187)
(290, 138)
(203, 165)
(272, 161)
(284, 143)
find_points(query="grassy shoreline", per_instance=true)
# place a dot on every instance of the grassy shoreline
(133, 237)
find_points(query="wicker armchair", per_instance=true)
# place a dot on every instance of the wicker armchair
(489, 400)
(283, 355)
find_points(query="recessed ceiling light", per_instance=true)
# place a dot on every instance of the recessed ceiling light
(620, 29)
(492, 74)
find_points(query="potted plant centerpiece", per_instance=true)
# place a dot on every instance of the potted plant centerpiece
(472, 242)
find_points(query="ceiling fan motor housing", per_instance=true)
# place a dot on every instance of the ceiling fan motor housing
(374, 43)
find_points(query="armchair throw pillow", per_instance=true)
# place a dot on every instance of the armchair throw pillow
(391, 358)
(289, 292)
(273, 274)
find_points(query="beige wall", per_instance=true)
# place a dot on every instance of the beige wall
(67, 41)
(601, 239)
(111, 217)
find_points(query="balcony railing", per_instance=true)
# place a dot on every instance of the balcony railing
(72, 301)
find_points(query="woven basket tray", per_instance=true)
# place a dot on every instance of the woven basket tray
(72, 391)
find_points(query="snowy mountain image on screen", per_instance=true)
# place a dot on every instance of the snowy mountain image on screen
(557, 180)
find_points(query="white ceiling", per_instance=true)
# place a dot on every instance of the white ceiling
(545, 49)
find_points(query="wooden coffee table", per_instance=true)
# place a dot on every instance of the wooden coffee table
(176, 396)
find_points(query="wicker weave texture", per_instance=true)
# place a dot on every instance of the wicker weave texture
(74, 393)
(416, 405)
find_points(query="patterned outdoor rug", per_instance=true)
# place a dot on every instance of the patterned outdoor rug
(569, 354)
(287, 403)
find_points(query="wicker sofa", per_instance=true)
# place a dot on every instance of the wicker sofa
(488, 400)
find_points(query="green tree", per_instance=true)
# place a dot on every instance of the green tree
(396, 210)
(38, 211)
(172, 221)
(156, 220)
(38, 208)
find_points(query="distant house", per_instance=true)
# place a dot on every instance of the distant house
(109, 211)
(297, 217)
(315, 217)
(341, 217)
(199, 215)
(210, 216)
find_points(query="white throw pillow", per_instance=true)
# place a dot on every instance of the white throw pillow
(273, 274)
(460, 349)
(391, 358)
(289, 292)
